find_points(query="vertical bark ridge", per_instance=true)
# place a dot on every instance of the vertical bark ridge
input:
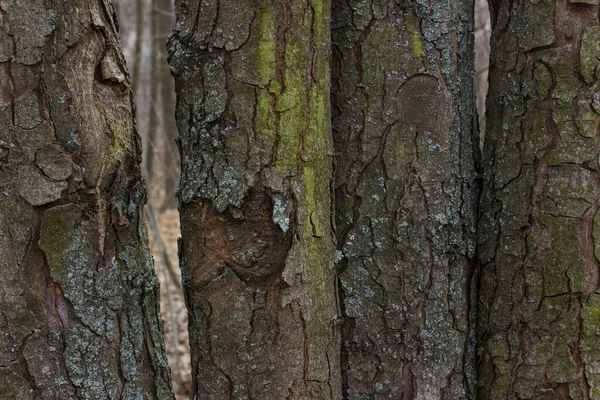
(79, 311)
(406, 193)
(258, 247)
(539, 298)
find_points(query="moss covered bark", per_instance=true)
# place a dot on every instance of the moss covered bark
(78, 295)
(540, 275)
(258, 247)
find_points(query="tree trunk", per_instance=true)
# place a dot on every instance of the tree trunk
(258, 247)
(540, 228)
(78, 295)
(406, 192)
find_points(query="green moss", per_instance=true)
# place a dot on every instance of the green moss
(291, 127)
(561, 365)
(589, 349)
(566, 81)
(574, 148)
(416, 41)
(416, 45)
(267, 43)
(274, 87)
(586, 120)
(309, 117)
(590, 53)
(294, 105)
(318, 254)
(121, 133)
(266, 65)
(501, 386)
(56, 236)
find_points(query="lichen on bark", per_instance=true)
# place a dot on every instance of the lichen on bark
(406, 193)
(78, 295)
(252, 79)
(539, 269)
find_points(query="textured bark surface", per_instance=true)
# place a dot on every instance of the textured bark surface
(78, 295)
(406, 193)
(540, 229)
(258, 248)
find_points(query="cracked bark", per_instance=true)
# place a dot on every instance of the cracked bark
(258, 252)
(539, 229)
(78, 296)
(406, 193)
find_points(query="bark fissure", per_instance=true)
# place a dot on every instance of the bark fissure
(537, 232)
(75, 256)
(258, 243)
(404, 200)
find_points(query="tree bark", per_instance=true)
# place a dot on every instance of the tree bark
(258, 248)
(540, 227)
(78, 295)
(406, 193)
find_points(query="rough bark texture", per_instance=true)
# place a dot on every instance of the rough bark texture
(540, 227)
(258, 248)
(406, 195)
(78, 295)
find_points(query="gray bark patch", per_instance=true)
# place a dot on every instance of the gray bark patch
(37, 189)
